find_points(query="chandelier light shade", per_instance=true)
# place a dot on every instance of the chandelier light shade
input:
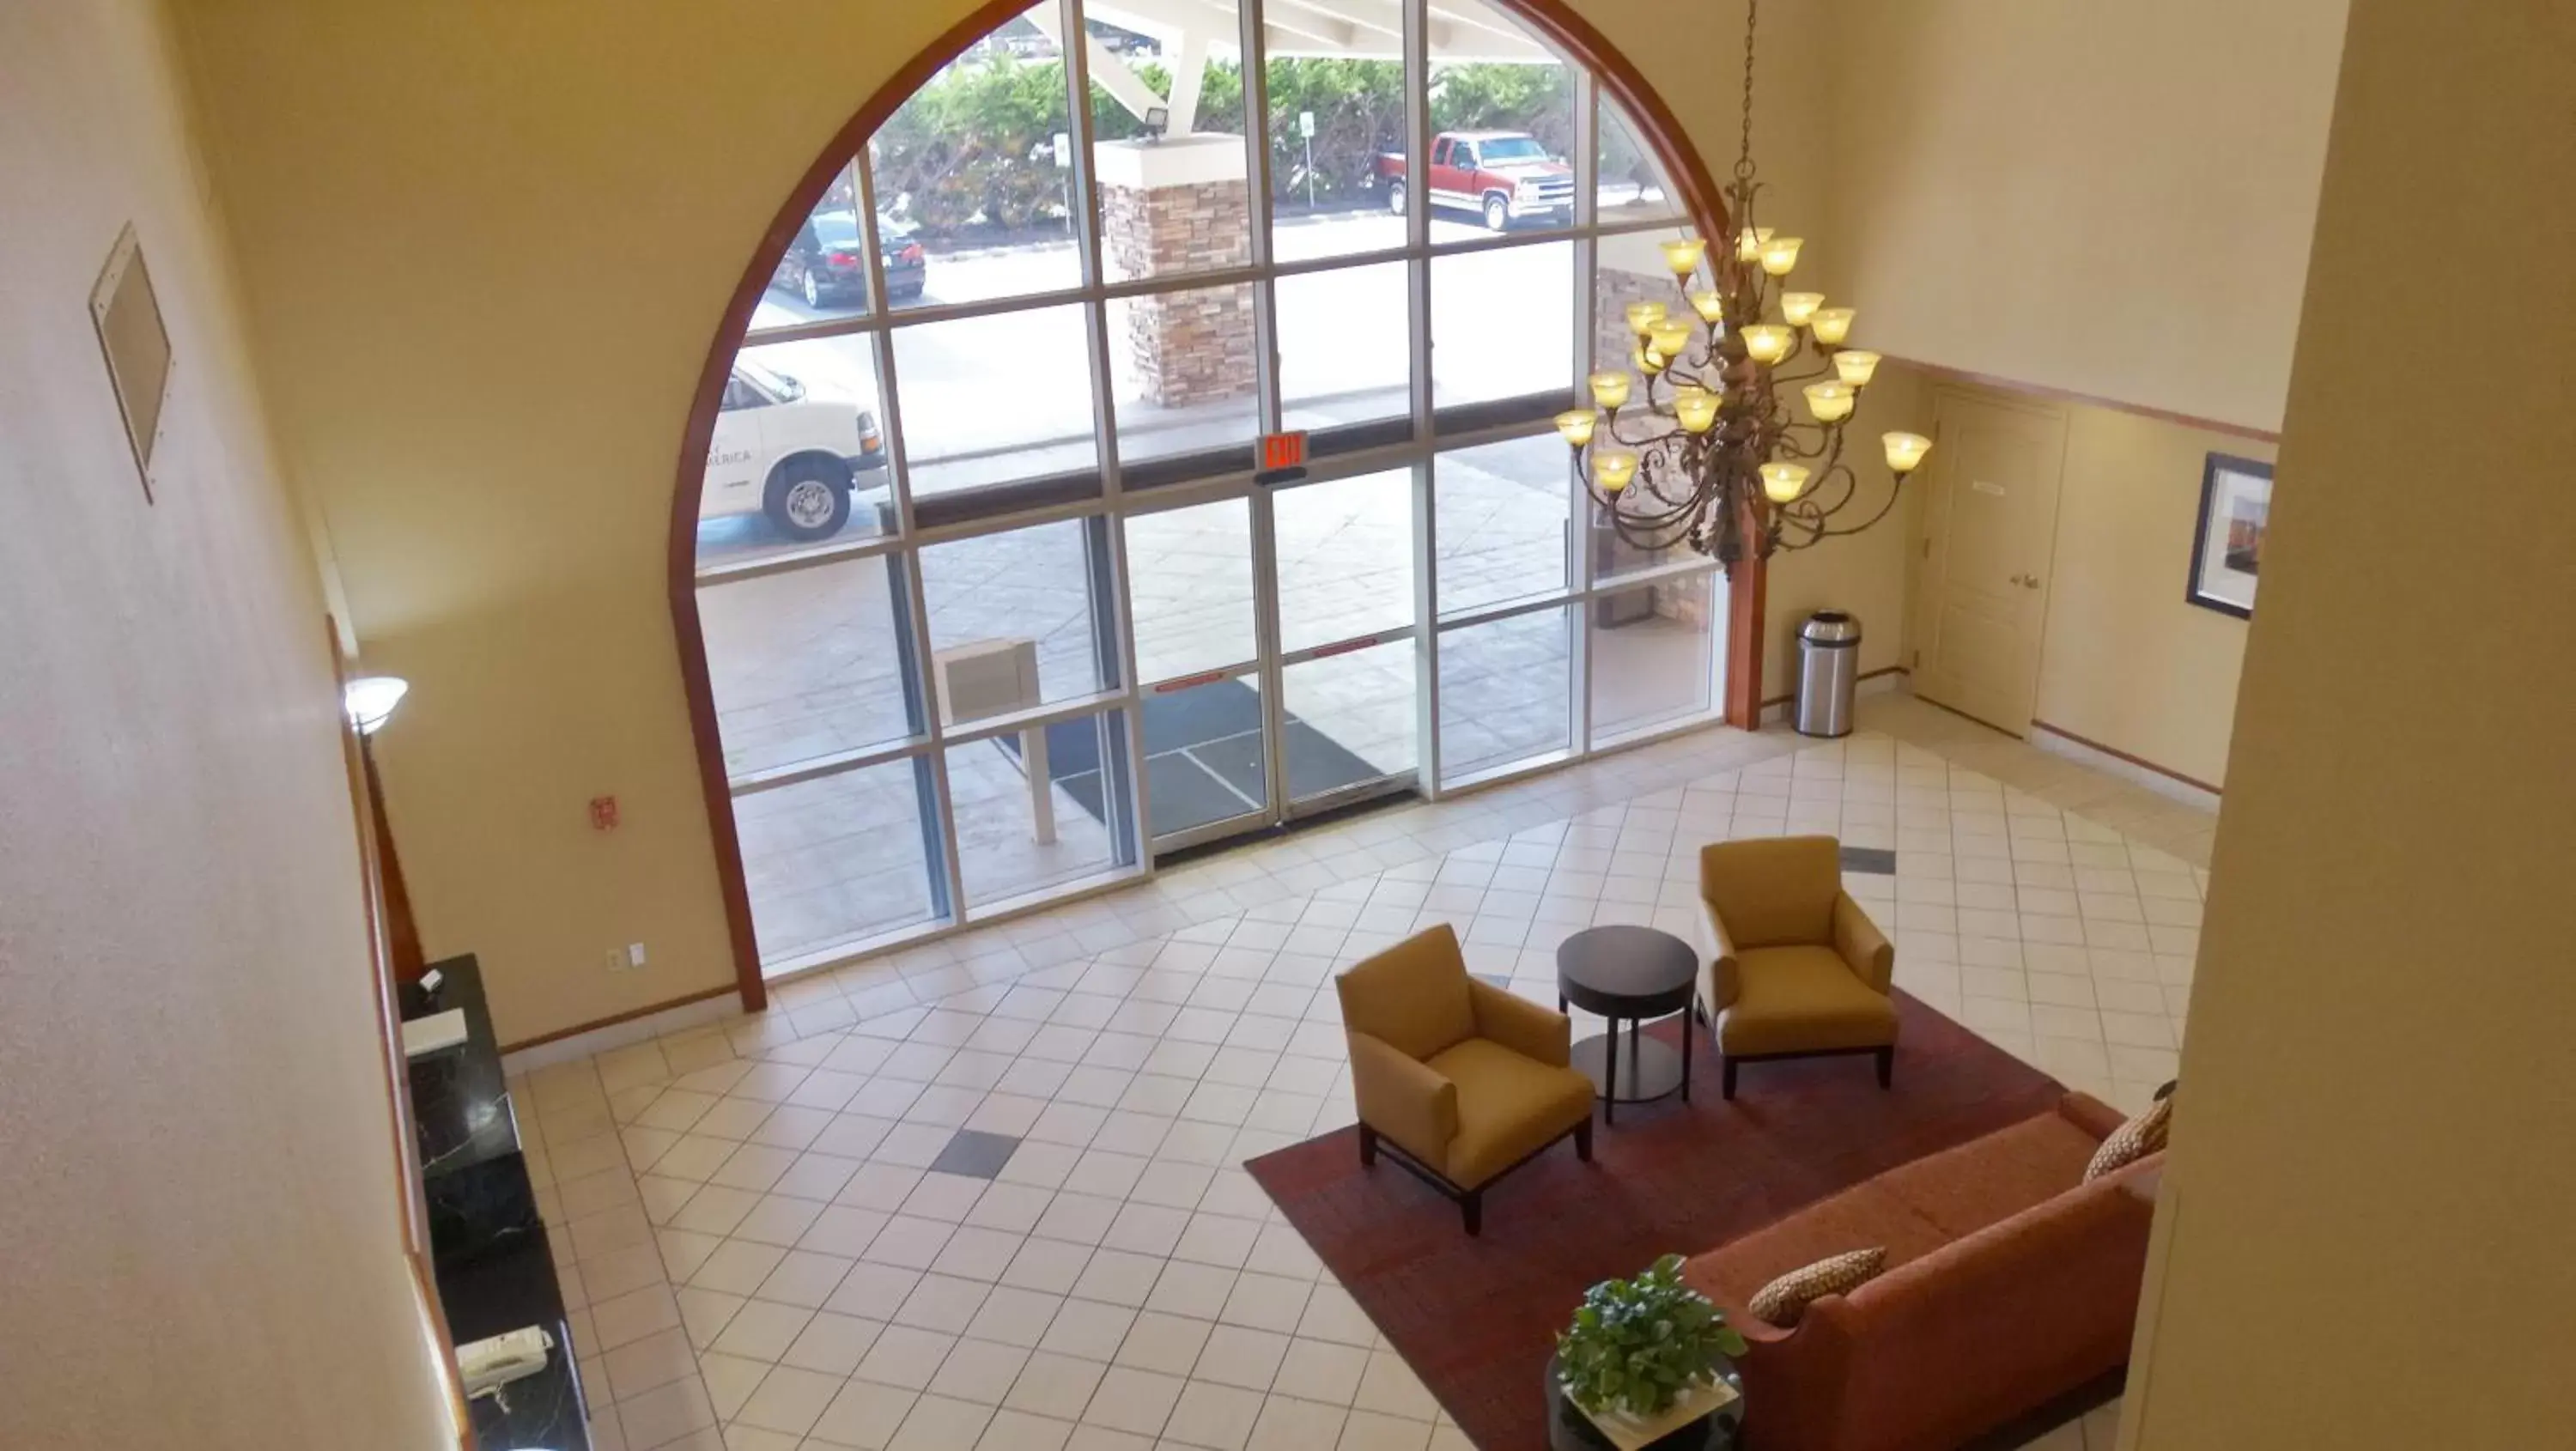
(1698, 444)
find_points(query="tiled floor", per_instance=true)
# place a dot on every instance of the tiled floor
(989, 1195)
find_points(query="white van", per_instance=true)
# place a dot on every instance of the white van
(777, 452)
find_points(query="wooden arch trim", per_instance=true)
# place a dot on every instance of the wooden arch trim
(1572, 36)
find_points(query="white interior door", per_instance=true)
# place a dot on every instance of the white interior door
(1990, 529)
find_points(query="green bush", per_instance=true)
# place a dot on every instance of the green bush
(974, 147)
(1636, 1345)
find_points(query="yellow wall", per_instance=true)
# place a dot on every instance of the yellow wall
(487, 244)
(2367, 1246)
(199, 1236)
(2124, 661)
(2111, 199)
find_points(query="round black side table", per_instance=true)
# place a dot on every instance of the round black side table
(1628, 974)
(1568, 1429)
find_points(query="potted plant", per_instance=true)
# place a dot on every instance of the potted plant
(1636, 1358)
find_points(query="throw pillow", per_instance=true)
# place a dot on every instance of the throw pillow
(2132, 1141)
(1783, 1300)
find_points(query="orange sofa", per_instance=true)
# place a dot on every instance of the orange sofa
(2009, 1282)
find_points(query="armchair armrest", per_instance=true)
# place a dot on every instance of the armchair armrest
(1402, 1098)
(1862, 945)
(1521, 1025)
(1720, 978)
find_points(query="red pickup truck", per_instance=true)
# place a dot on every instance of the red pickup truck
(1505, 176)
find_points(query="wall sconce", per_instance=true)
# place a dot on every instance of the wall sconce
(370, 700)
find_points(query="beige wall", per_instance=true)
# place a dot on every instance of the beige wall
(2108, 198)
(1866, 573)
(2367, 1245)
(2124, 661)
(199, 1237)
(487, 245)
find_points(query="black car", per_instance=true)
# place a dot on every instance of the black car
(823, 266)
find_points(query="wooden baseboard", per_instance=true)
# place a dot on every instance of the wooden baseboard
(612, 1020)
(2115, 753)
(1863, 678)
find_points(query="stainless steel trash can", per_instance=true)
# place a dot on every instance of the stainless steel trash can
(1828, 672)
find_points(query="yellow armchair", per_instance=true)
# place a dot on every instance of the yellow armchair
(1794, 968)
(1461, 1080)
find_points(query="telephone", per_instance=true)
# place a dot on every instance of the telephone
(488, 1365)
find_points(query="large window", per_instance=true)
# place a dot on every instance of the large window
(994, 602)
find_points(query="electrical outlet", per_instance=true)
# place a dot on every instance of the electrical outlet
(616, 960)
(634, 954)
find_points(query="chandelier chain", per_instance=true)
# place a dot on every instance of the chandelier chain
(1744, 157)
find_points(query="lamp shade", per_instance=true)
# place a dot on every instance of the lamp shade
(1905, 450)
(1646, 361)
(1613, 470)
(370, 700)
(1696, 408)
(1856, 366)
(1780, 254)
(1683, 255)
(1798, 308)
(1642, 316)
(1830, 402)
(1830, 324)
(1670, 337)
(1748, 243)
(1609, 389)
(1782, 482)
(1575, 424)
(1766, 342)
(1710, 304)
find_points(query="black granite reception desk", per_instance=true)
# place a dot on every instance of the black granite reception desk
(487, 1242)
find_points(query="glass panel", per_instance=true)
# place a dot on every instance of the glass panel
(1650, 654)
(1345, 346)
(1502, 511)
(1506, 104)
(834, 860)
(1182, 363)
(1189, 588)
(989, 400)
(1011, 624)
(1629, 184)
(1350, 717)
(797, 457)
(824, 273)
(1337, 191)
(810, 663)
(978, 161)
(1505, 692)
(1013, 840)
(1345, 552)
(1203, 755)
(1180, 201)
(1502, 324)
(1631, 269)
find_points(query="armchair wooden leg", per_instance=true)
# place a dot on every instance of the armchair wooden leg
(1726, 1078)
(1583, 1141)
(1368, 1147)
(1887, 1066)
(1472, 1206)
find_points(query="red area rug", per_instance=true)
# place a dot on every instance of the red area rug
(1477, 1318)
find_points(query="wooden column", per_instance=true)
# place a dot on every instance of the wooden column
(1746, 584)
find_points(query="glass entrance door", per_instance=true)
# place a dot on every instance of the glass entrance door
(1275, 653)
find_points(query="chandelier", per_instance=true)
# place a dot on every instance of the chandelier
(1706, 449)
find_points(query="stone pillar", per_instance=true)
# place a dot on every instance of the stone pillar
(1174, 206)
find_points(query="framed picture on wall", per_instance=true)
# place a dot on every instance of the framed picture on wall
(2227, 550)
